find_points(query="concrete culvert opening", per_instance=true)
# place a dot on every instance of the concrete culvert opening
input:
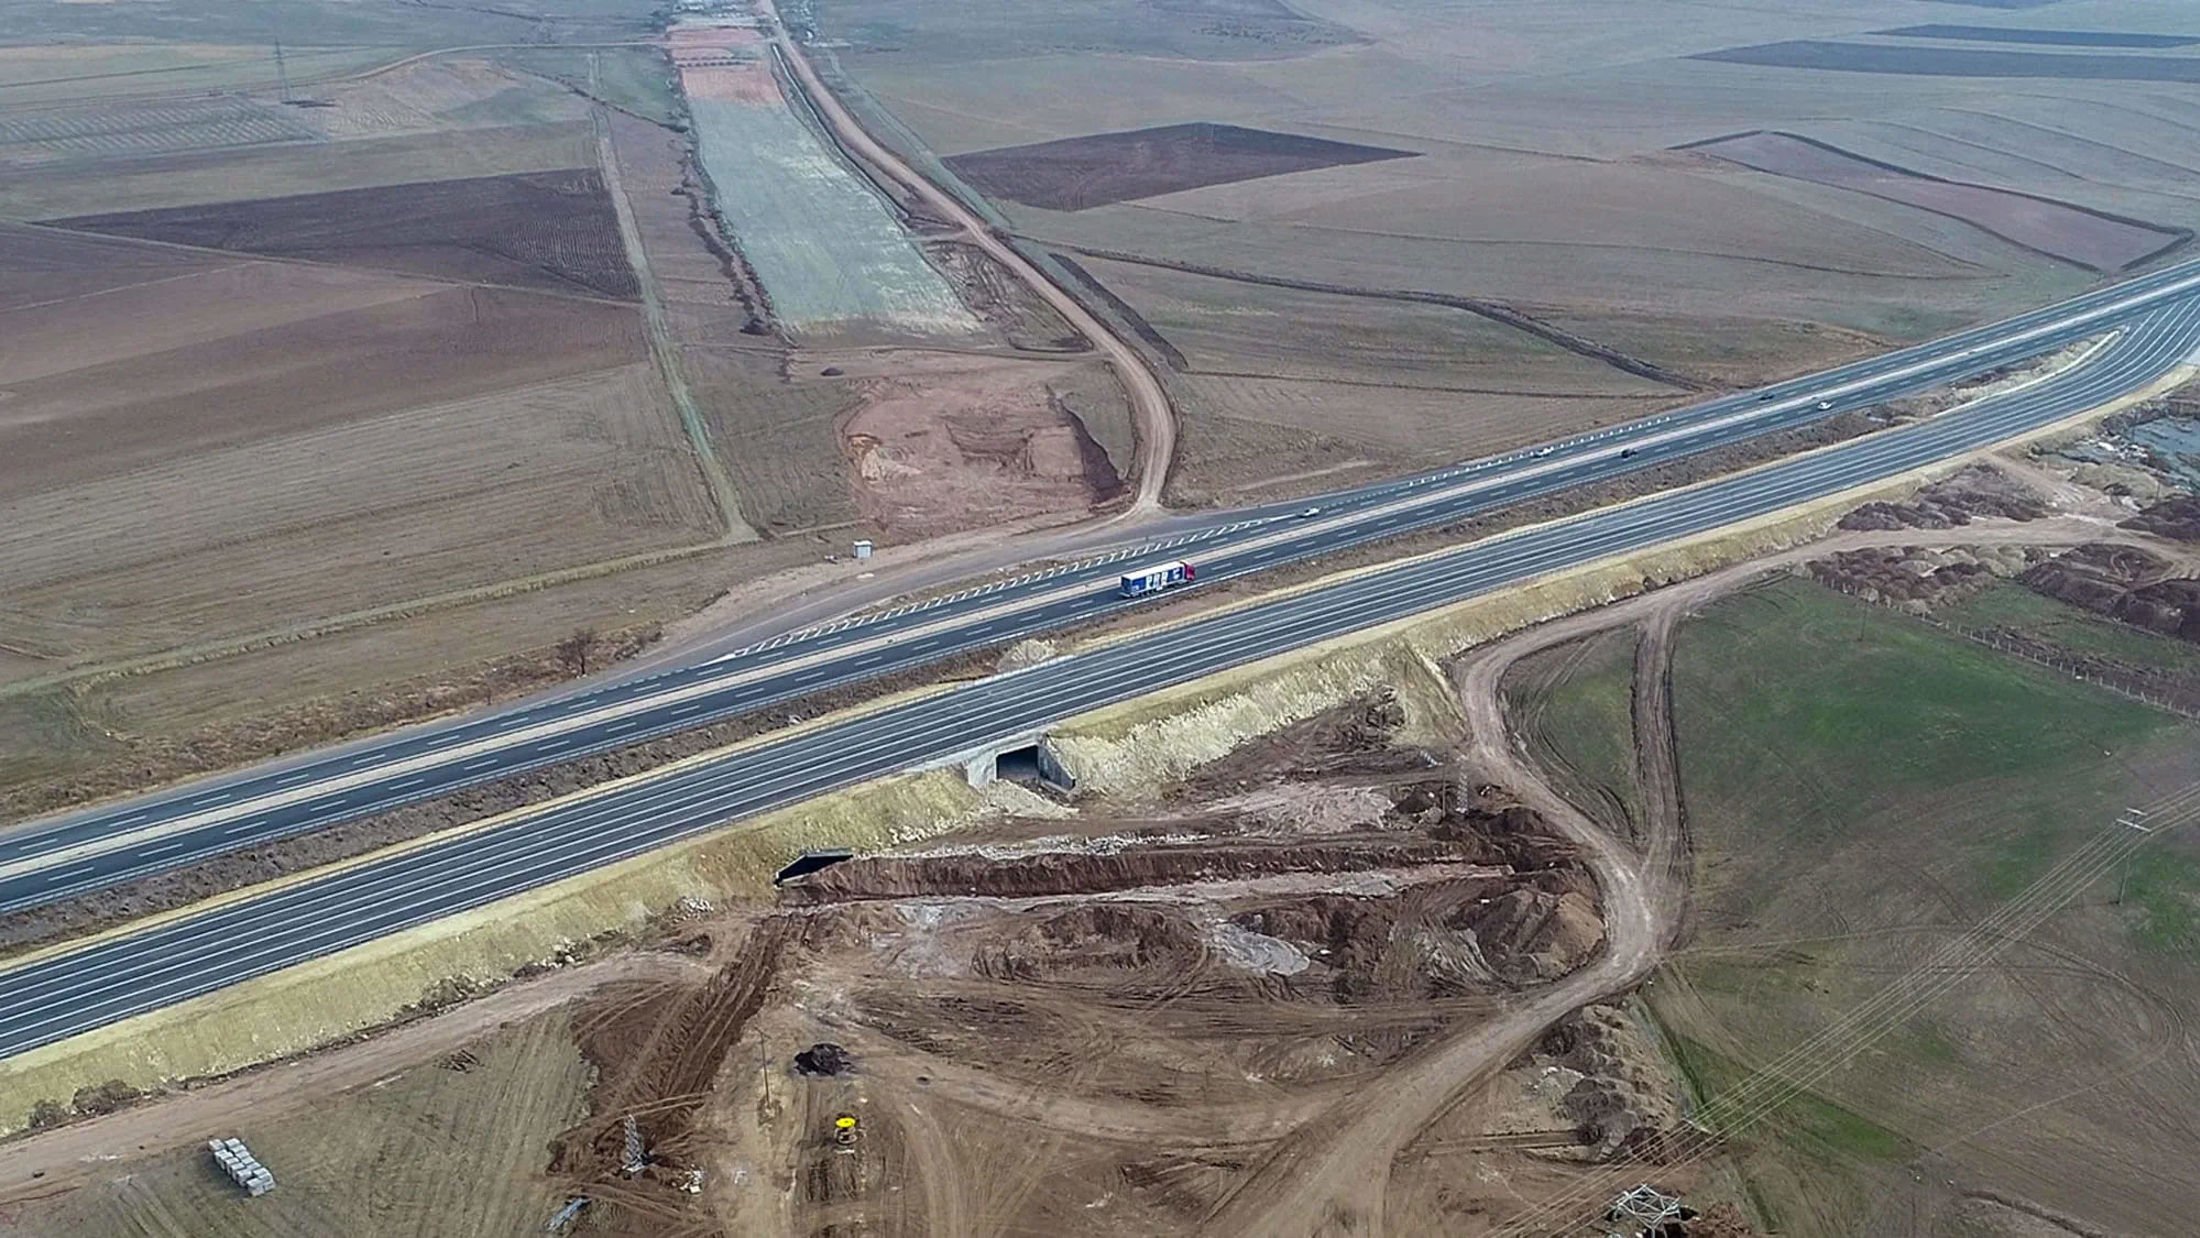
(1034, 765)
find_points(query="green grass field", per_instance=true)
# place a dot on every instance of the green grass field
(640, 80)
(1574, 704)
(1861, 790)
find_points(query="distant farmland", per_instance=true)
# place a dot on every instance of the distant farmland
(2071, 233)
(192, 124)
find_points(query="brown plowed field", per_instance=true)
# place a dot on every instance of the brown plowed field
(203, 299)
(1074, 174)
(449, 343)
(546, 230)
(39, 266)
(351, 515)
(2071, 233)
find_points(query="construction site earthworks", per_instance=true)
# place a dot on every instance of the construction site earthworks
(1825, 874)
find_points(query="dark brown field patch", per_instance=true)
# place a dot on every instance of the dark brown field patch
(2059, 229)
(548, 231)
(2049, 38)
(1075, 174)
(1920, 61)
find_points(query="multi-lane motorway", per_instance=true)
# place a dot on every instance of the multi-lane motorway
(65, 856)
(54, 996)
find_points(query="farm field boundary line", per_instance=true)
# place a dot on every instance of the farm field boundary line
(1501, 242)
(661, 347)
(2177, 236)
(241, 257)
(1496, 312)
(296, 80)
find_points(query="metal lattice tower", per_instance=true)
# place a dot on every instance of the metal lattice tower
(1645, 1208)
(634, 1162)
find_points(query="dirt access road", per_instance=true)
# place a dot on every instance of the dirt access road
(1331, 1176)
(1150, 407)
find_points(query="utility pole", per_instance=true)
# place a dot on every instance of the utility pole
(282, 75)
(2132, 819)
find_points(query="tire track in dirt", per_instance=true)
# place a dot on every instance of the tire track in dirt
(72, 1155)
(1330, 1176)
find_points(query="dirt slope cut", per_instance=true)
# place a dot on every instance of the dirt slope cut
(552, 231)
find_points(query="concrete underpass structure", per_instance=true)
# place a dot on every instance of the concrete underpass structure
(1024, 758)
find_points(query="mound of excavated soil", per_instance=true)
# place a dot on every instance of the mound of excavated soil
(1928, 578)
(2176, 518)
(1095, 938)
(2098, 576)
(982, 446)
(1978, 491)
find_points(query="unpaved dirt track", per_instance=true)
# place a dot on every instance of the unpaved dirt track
(77, 1153)
(1331, 1176)
(1149, 403)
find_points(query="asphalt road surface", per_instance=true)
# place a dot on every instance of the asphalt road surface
(44, 861)
(78, 989)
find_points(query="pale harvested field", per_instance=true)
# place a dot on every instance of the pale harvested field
(196, 299)
(1739, 352)
(350, 516)
(1411, 425)
(44, 74)
(201, 445)
(31, 138)
(237, 709)
(1228, 326)
(2052, 227)
(446, 92)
